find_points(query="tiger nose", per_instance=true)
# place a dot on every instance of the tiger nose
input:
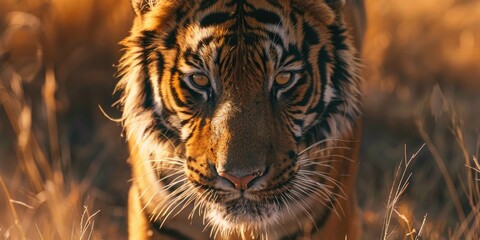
(240, 183)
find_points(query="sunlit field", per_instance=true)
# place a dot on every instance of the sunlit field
(64, 170)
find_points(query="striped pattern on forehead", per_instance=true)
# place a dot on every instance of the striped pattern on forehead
(240, 45)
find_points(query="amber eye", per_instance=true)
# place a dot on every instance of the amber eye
(283, 78)
(200, 80)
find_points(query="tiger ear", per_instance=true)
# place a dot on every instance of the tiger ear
(143, 6)
(336, 5)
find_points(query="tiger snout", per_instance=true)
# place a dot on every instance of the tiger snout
(241, 180)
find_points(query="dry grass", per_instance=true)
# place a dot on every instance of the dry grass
(61, 160)
(55, 145)
(52, 199)
(399, 186)
(422, 87)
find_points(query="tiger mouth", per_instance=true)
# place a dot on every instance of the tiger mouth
(242, 211)
(259, 206)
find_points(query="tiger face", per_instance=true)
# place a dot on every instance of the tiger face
(235, 106)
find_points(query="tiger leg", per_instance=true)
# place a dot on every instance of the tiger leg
(138, 224)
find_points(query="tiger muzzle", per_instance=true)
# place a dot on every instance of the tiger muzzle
(241, 182)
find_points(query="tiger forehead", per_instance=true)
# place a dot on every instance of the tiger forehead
(238, 27)
(166, 14)
(215, 32)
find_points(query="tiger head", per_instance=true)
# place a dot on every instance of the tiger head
(226, 99)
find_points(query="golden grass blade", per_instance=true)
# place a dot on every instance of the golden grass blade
(16, 220)
(399, 185)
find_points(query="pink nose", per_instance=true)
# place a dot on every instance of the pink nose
(241, 183)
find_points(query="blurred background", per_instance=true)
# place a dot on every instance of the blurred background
(63, 162)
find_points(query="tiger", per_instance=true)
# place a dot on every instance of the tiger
(242, 118)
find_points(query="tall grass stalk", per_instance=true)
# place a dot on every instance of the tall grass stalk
(399, 186)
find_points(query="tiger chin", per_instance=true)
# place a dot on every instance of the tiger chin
(242, 119)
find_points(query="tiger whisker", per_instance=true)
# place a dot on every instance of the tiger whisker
(166, 198)
(148, 202)
(285, 203)
(335, 182)
(165, 161)
(174, 182)
(323, 157)
(300, 205)
(320, 192)
(196, 204)
(158, 212)
(183, 199)
(190, 199)
(321, 189)
(324, 141)
(176, 171)
(332, 148)
(309, 162)
(328, 193)
(323, 150)
(321, 175)
(173, 160)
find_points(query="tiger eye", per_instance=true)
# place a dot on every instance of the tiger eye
(200, 80)
(283, 78)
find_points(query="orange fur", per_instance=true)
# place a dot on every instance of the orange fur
(242, 156)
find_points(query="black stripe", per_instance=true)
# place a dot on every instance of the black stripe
(215, 19)
(294, 51)
(306, 96)
(323, 60)
(298, 122)
(205, 41)
(148, 95)
(206, 4)
(265, 16)
(146, 43)
(160, 125)
(251, 38)
(193, 93)
(176, 97)
(292, 133)
(231, 39)
(192, 58)
(203, 122)
(170, 40)
(275, 38)
(293, 18)
(338, 37)
(173, 71)
(160, 67)
(293, 112)
(311, 35)
(340, 74)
